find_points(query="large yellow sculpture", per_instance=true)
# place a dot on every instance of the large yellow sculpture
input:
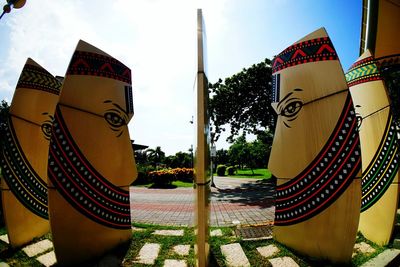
(25, 153)
(379, 150)
(315, 154)
(91, 163)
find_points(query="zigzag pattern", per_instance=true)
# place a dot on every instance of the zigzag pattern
(362, 71)
(387, 62)
(319, 49)
(87, 63)
(36, 78)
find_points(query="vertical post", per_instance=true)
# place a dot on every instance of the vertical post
(202, 172)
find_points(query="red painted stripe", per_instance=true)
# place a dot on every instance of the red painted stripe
(290, 183)
(81, 189)
(99, 218)
(348, 155)
(325, 170)
(84, 160)
(302, 216)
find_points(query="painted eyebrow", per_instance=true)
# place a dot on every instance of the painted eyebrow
(287, 96)
(291, 93)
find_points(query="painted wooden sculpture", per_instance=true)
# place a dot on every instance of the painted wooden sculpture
(380, 32)
(25, 153)
(315, 154)
(91, 163)
(378, 150)
(202, 162)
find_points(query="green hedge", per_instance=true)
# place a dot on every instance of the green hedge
(221, 170)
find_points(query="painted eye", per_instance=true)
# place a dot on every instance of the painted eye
(292, 108)
(46, 129)
(114, 119)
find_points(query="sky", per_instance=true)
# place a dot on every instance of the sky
(157, 40)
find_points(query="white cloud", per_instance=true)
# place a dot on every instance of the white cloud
(156, 39)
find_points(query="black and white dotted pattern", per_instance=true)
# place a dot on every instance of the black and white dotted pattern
(21, 178)
(382, 169)
(81, 185)
(326, 178)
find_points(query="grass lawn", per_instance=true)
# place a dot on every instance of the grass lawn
(247, 173)
(145, 235)
(174, 184)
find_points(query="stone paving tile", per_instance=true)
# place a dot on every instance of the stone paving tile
(182, 250)
(234, 255)
(169, 232)
(363, 248)
(148, 253)
(47, 259)
(250, 205)
(4, 238)
(216, 232)
(268, 251)
(283, 262)
(37, 248)
(175, 263)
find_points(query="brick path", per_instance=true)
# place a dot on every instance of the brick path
(236, 201)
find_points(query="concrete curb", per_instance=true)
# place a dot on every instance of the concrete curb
(389, 257)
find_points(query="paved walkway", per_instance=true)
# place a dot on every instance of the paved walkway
(234, 201)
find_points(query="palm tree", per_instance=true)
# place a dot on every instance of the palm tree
(156, 155)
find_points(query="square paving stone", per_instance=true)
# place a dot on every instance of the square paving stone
(182, 250)
(148, 253)
(363, 248)
(283, 262)
(175, 263)
(4, 238)
(216, 232)
(169, 232)
(37, 248)
(268, 251)
(234, 255)
(47, 259)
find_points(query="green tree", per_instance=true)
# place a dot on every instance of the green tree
(243, 101)
(221, 157)
(155, 156)
(179, 160)
(239, 152)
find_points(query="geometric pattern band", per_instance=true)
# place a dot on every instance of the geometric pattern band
(382, 169)
(33, 77)
(324, 180)
(387, 62)
(81, 184)
(93, 64)
(25, 184)
(319, 49)
(362, 71)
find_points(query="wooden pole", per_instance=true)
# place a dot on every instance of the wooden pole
(202, 174)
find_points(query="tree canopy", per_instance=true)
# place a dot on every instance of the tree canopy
(243, 101)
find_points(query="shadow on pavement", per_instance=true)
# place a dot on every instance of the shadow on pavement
(259, 193)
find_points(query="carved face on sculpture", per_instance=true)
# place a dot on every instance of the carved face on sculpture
(307, 89)
(289, 107)
(46, 125)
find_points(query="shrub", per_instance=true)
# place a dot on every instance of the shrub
(183, 174)
(143, 174)
(221, 170)
(231, 170)
(162, 177)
